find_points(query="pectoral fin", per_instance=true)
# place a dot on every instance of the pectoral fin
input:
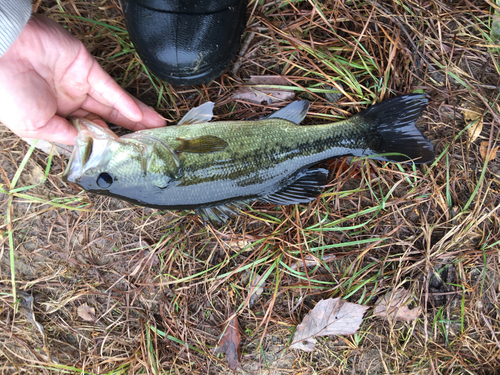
(201, 145)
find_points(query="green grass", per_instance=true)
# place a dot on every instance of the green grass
(431, 229)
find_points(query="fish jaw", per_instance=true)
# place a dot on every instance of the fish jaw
(103, 163)
(91, 145)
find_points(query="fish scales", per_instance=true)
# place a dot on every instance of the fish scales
(259, 155)
(213, 165)
(253, 146)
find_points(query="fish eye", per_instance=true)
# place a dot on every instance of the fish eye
(104, 180)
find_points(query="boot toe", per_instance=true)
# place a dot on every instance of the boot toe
(185, 48)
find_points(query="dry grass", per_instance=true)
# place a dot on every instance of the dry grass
(163, 285)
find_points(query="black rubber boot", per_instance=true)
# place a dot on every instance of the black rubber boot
(185, 42)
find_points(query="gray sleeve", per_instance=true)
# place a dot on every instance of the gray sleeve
(14, 14)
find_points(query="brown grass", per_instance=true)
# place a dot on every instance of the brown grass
(163, 285)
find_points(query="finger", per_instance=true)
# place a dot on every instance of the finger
(57, 129)
(97, 120)
(90, 116)
(151, 118)
(108, 92)
(79, 113)
(112, 115)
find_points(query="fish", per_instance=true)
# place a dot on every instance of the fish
(215, 168)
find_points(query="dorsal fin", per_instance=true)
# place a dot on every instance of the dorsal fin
(202, 113)
(294, 112)
(305, 188)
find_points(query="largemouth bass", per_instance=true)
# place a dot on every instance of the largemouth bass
(213, 167)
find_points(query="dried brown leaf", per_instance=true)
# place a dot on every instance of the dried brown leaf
(36, 173)
(393, 306)
(230, 343)
(483, 150)
(255, 288)
(297, 32)
(257, 90)
(238, 245)
(26, 305)
(333, 316)
(150, 257)
(312, 261)
(147, 258)
(86, 313)
(473, 115)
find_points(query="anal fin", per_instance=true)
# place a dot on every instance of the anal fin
(305, 188)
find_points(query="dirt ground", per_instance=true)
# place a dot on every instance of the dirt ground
(94, 285)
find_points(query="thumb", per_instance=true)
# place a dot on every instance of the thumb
(57, 129)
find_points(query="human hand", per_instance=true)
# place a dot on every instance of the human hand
(47, 75)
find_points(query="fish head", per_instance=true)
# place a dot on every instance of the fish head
(103, 163)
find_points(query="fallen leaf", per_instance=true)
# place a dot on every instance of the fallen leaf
(475, 116)
(238, 245)
(393, 306)
(333, 316)
(86, 313)
(36, 174)
(145, 258)
(260, 88)
(334, 95)
(483, 150)
(312, 261)
(148, 254)
(255, 288)
(297, 32)
(230, 343)
(27, 305)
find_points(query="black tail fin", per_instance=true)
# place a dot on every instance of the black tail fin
(393, 130)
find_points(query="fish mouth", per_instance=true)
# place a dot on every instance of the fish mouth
(80, 155)
(90, 145)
